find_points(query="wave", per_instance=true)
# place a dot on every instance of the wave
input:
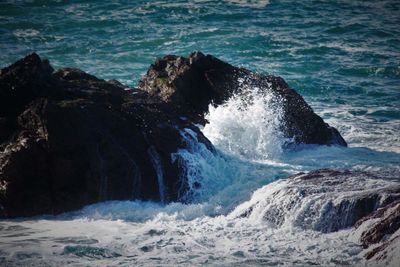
(247, 126)
(392, 72)
(250, 3)
(374, 127)
(276, 228)
(238, 214)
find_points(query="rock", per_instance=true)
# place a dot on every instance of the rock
(23, 81)
(380, 232)
(184, 81)
(192, 84)
(69, 139)
(323, 200)
(387, 221)
(328, 201)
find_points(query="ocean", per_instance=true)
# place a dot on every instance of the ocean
(343, 57)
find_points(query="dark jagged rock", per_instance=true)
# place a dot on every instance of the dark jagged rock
(23, 81)
(68, 139)
(192, 83)
(323, 200)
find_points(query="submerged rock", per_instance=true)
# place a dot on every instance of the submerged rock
(329, 201)
(192, 83)
(68, 139)
(322, 200)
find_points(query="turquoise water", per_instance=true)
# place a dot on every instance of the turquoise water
(342, 56)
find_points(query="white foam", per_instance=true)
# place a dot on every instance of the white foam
(247, 127)
(26, 33)
(249, 155)
(176, 234)
(326, 206)
(362, 130)
(246, 132)
(250, 3)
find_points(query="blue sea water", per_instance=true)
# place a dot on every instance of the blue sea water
(342, 56)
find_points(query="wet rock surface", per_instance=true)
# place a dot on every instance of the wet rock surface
(380, 231)
(69, 139)
(322, 200)
(330, 201)
(192, 83)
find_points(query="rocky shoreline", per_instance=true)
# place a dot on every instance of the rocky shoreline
(69, 139)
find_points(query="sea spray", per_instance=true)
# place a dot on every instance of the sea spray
(325, 200)
(207, 231)
(248, 125)
(245, 129)
(204, 170)
(319, 56)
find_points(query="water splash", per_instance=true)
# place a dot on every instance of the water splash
(158, 168)
(247, 125)
(204, 170)
(328, 202)
(246, 132)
